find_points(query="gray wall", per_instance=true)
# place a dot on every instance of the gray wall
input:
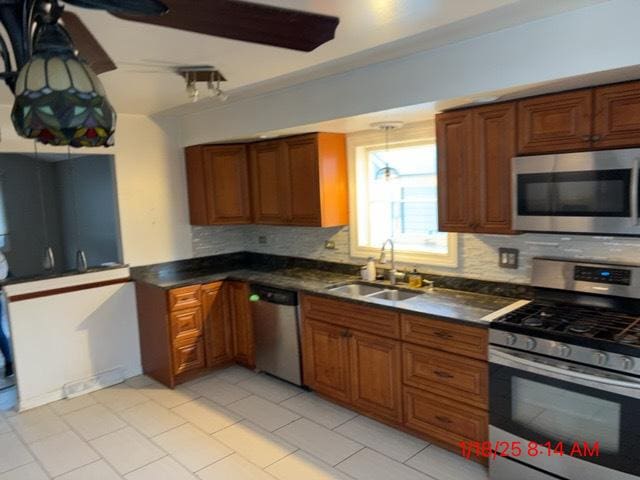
(82, 186)
(478, 253)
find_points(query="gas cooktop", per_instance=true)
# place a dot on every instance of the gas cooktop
(574, 321)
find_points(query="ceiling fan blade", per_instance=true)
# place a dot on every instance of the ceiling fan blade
(88, 46)
(246, 21)
(130, 7)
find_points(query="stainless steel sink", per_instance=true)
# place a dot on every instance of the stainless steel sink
(395, 295)
(357, 289)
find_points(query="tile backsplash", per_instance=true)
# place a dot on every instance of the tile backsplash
(478, 253)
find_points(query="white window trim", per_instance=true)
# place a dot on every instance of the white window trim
(358, 145)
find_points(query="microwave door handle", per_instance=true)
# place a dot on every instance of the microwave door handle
(527, 363)
(634, 192)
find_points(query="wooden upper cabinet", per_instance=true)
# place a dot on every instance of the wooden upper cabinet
(301, 181)
(617, 116)
(218, 184)
(455, 171)
(268, 181)
(218, 332)
(555, 123)
(303, 188)
(494, 145)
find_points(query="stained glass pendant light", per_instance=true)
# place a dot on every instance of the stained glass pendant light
(59, 99)
(387, 173)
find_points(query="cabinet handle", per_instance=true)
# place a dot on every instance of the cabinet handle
(442, 374)
(586, 138)
(345, 334)
(443, 419)
(443, 335)
(595, 138)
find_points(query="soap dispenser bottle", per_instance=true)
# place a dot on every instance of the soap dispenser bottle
(371, 269)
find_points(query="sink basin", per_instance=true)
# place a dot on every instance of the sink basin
(395, 295)
(357, 289)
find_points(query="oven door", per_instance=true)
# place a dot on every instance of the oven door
(540, 399)
(594, 192)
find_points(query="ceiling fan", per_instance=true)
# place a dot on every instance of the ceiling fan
(53, 61)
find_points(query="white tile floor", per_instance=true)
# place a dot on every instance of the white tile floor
(230, 425)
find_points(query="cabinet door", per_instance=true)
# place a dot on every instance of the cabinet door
(555, 123)
(217, 324)
(454, 139)
(325, 350)
(196, 186)
(617, 116)
(494, 131)
(376, 375)
(243, 339)
(303, 189)
(226, 184)
(268, 182)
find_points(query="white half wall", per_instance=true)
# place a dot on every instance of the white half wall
(588, 40)
(71, 337)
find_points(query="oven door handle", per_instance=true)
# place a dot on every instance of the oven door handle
(634, 192)
(527, 362)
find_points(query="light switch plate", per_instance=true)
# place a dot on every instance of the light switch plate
(508, 257)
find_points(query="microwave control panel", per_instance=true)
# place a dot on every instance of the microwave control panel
(610, 276)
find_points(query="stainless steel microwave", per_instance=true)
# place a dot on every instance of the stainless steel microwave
(586, 192)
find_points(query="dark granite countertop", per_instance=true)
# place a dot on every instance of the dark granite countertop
(455, 305)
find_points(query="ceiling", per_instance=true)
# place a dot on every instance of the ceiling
(365, 27)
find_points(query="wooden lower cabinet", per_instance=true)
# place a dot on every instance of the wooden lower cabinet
(217, 321)
(375, 375)
(441, 418)
(243, 337)
(431, 379)
(186, 330)
(325, 352)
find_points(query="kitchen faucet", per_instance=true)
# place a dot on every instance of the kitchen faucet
(383, 254)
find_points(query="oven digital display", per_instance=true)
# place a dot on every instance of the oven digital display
(612, 276)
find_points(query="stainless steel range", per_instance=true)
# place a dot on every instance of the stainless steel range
(565, 376)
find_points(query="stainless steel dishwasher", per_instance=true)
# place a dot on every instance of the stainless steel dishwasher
(277, 332)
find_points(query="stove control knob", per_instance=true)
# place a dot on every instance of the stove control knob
(510, 339)
(627, 363)
(564, 350)
(530, 343)
(600, 358)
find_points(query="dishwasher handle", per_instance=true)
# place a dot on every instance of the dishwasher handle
(273, 295)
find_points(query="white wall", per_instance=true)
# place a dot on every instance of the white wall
(150, 176)
(588, 40)
(70, 337)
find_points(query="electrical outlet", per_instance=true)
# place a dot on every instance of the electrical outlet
(262, 240)
(508, 257)
(330, 245)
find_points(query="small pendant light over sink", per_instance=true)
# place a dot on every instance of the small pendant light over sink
(59, 99)
(387, 173)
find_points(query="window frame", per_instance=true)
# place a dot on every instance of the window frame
(359, 145)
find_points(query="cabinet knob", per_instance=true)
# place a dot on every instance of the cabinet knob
(443, 374)
(443, 335)
(595, 138)
(586, 138)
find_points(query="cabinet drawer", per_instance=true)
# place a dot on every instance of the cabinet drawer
(346, 314)
(469, 341)
(453, 376)
(184, 297)
(435, 416)
(186, 323)
(188, 356)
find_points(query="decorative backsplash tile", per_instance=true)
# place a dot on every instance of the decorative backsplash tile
(478, 253)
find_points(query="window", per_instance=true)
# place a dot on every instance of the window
(404, 208)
